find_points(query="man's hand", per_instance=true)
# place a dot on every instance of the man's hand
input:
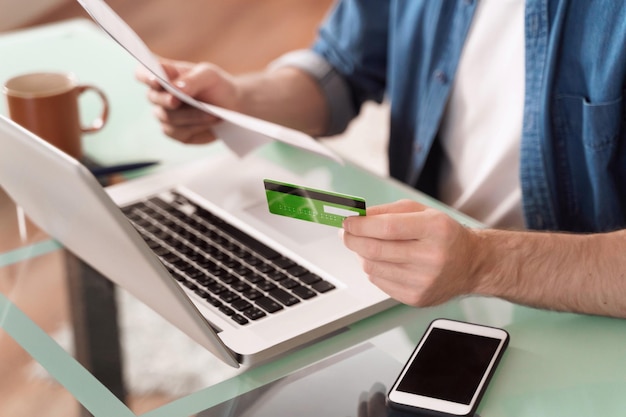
(417, 255)
(287, 96)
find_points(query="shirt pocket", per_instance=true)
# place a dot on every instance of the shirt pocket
(596, 126)
(589, 151)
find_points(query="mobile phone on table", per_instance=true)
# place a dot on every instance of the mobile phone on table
(449, 369)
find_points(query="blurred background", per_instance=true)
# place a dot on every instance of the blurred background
(240, 35)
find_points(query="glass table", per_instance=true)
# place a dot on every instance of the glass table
(557, 364)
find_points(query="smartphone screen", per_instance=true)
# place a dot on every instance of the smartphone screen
(450, 368)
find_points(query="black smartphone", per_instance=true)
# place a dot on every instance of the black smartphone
(449, 369)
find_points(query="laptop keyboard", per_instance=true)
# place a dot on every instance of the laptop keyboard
(240, 276)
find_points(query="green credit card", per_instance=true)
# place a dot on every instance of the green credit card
(312, 205)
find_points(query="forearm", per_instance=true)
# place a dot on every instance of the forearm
(569, 272)
(286, 96)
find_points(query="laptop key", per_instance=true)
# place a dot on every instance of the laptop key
(252, 294)
(283, 262)
(241, 304)
(254, 278)
(216, 288)
(309, 278)
(240, 286)
(289, 283)
(323, 286)
(229, 296)
(303, 292)
(264, 268)
(265, 285)
(277, 276)
(254, 313)
(213, 301)
(297, 270)
(268, 304)
(239, 319)
(227, 310)
(284, 297)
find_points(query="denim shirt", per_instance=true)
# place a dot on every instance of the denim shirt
(573, 147)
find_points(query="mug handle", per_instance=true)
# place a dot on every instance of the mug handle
(100, 121)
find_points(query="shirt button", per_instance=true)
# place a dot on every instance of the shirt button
(441, 76)
(417, 148)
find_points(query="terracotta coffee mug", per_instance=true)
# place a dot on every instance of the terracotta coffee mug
(47, 104)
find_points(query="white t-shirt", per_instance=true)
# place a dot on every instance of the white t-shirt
(482, 125)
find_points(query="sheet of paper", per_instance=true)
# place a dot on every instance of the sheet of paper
(241, 133)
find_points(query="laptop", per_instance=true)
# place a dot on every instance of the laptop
(198, 245)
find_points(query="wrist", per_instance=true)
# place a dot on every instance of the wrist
(495, 264)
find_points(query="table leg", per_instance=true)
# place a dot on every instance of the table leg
(95, 323)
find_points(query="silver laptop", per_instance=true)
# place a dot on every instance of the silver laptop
(265, 286)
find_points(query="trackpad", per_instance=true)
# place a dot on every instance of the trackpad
(298, 231)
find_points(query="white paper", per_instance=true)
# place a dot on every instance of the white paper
(240, 132)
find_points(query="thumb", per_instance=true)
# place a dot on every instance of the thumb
(373, 223)
(200, 80)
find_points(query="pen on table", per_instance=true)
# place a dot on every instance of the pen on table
(118, 169)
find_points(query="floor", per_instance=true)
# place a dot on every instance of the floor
(191, 30)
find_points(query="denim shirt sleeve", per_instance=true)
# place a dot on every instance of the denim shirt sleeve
(353, 39)
(348, 59)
